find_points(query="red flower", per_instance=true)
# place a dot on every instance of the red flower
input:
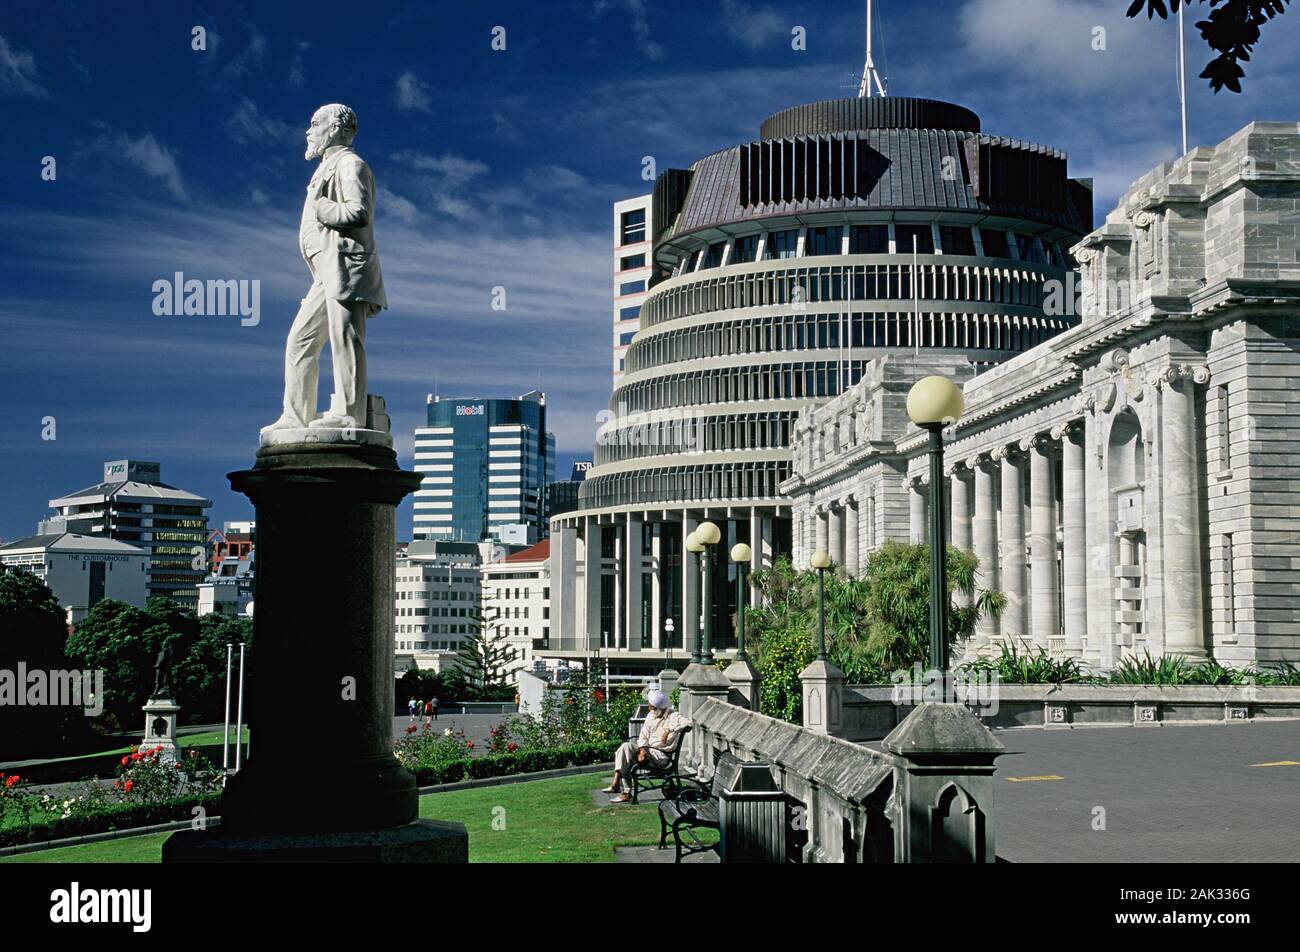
(11, 780)
(157, 749)
(128, 785)
(178, 766)
(126, 761)
(117, 785)
(469, 745)
(512, 747)
(411, 729)
(137, 755)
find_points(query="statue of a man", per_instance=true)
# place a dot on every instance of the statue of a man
(337, 241)
(162, 672)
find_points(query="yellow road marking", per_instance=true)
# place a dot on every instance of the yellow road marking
(1279, 763)
(1032, 779)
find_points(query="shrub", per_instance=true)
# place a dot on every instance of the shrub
(1028, 667)
(101, 815)
(521, 761)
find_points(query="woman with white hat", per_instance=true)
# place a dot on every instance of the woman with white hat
(659, 735)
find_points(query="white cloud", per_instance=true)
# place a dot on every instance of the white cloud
(18, 72)
(252, 55)
(639, 20)
(144, 153)
(754, 27)
(390, 203)
(247, 125)
(411, 93)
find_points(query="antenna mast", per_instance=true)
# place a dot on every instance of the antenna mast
(870, 77)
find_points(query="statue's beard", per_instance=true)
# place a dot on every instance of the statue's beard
(316, 149)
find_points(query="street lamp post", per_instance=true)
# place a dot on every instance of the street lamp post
(708, 534)
(821, 561)
(693, 544)
(670, 628)
(741, 554)
(933, 403)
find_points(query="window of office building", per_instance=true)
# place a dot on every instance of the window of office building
(904, 235)
(631, 261)
(956, 240)
(869, 240)
(713, 257)
(783, 244)
(823, 241)
(625, 339)
(631, 287)
(629, 313)
(746, 249)
(995, 243)
(1028, 249)
(633, 227)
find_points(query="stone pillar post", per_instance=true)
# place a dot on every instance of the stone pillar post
(823, 689)
(698, 683)
(822, 516)
(852, 533)
(986, 543)
(1044, 623)
(1011, 560)
(1074, 544)
(593, 570)
(745, 683)
(564, 609)
(632, 584)
(916, 512)
(835, 534)
(324, 626)
(945, 788)
(1180, 523)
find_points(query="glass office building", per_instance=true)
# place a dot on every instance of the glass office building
(485, 465)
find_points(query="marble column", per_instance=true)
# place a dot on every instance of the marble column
(835, 534)
(851, 533)
(1074, 544)
(916, 512)
(632, 627)
(1180, 522)
(985, 531)
(960, 509)
(959, 519)
(1011, 557)
(1044, 623)
(594, 565)
(820, 542)
(690, 588)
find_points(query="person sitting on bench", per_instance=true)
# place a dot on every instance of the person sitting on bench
(660, 733)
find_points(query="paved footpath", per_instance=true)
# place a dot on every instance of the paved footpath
(1170, 794)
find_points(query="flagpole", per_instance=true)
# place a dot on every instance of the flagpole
(1182, 75)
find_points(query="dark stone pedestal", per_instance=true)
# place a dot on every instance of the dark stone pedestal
(322, 779)
(424, 841)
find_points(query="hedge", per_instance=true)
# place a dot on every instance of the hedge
(113, 816)
(521, 761)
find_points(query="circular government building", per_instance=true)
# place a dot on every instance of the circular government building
(850, 230)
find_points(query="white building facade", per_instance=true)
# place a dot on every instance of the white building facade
(82, 570)
(1130, 484)
(632, 253)
(437, 601)
(517, 602)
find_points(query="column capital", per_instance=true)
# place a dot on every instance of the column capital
(1067, 429)
(1038, 441)
(1006, 452)
(1197, 373)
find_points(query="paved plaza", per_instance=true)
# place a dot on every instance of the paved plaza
(1170, 794)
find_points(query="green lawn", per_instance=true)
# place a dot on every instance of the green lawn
(543, 821)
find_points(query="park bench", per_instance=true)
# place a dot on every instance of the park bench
(652, 776)
(693, 810)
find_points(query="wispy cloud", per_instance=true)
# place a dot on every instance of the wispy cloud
(18, 72)
(755, 27)
(252, 55)
(639, 21)
(411, 94)
(247, 125)
(144, 153)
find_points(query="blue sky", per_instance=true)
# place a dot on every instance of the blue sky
(494, 168)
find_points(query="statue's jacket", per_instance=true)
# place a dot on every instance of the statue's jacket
(343, 195)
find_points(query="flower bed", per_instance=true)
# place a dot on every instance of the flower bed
(147, 790)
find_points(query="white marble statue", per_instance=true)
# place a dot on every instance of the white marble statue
(336, 238)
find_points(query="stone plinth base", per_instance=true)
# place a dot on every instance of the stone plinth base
(160, 728)
(424, 841)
